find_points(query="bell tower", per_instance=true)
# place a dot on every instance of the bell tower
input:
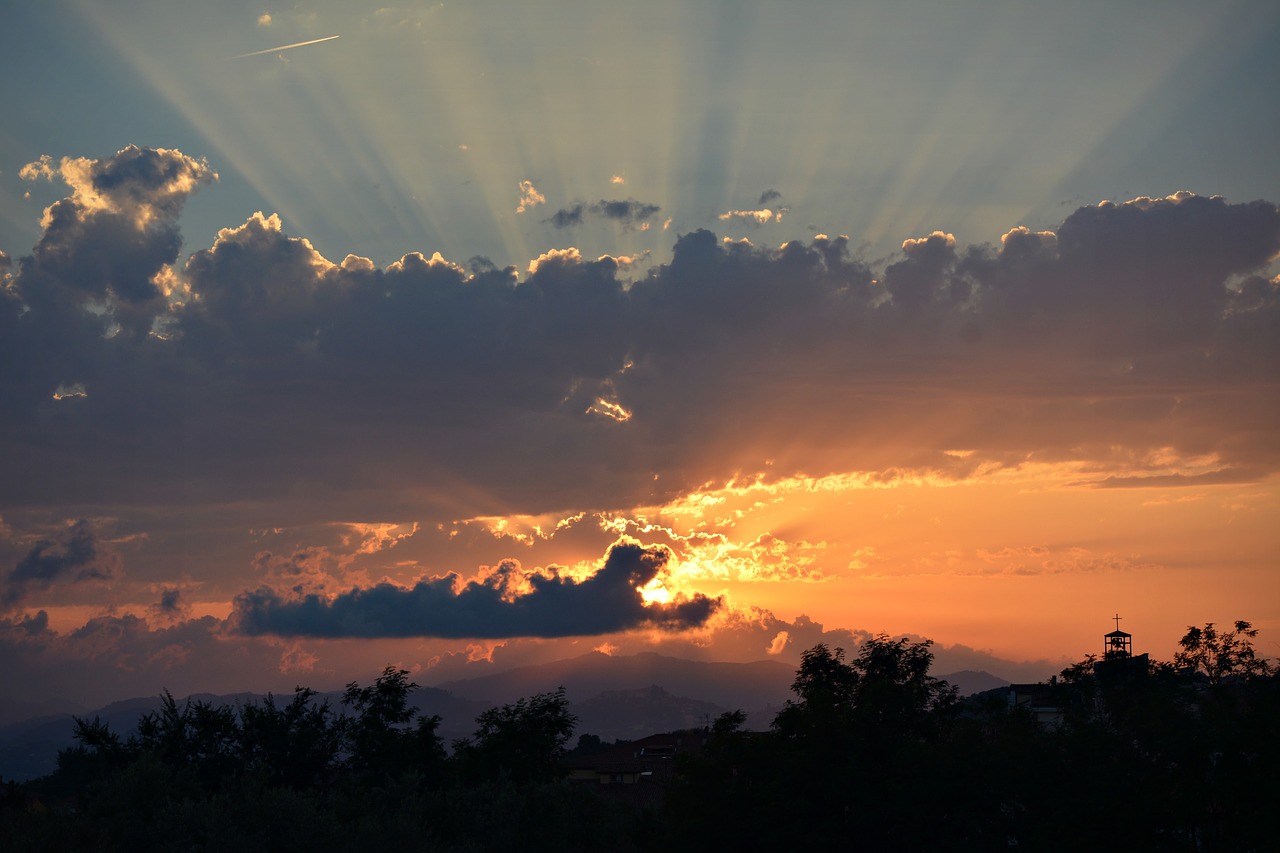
(1119, 665)
(1117, 645)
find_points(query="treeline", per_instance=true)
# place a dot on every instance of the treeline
(303, 775)
(872, 754)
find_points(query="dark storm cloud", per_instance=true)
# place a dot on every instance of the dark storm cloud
(606, 602)
(337, 390)
(628, 213)
(73, 558)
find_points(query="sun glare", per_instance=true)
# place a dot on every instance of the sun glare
(654, 592)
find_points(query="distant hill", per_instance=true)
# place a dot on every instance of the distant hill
(633, 714)
(29, 748)
(457, 714)
(614, 697)
(15, 710)
(971, 681)
(728, 685)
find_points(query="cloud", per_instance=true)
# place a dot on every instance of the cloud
(373, 538)
(102, 248)
(716, 556)
(1040, 559)
(73, 558)
(742, 634)
(568, 217)
(116, 656)
(628, 213)
(429, 389)
(555, 258)
(529, 197)
(40, 168)
(170, 600)
(759, 217)
(1208, 478)
(112, 657)
(313, 569)
(173, 606)
(767, 197)
(145, 185)
(71, 391)
(507, 602)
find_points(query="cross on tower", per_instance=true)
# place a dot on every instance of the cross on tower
(1117, 643)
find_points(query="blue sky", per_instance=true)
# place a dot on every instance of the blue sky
(880, 120)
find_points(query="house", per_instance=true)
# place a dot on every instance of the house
(1039, 701)
(650, 759)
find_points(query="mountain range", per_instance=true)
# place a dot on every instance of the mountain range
(614, 697)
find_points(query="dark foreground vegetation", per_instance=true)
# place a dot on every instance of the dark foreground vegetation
(872, 754)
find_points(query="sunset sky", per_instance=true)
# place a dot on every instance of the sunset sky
(468, 335)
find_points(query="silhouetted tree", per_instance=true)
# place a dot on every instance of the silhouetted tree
(887, 687)
(523, 741)
(872, 753)
(296, 745)
(1218, 655)
(848, 761)
(386, 736)
(588, 744)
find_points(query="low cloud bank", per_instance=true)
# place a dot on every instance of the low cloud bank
(548, 606)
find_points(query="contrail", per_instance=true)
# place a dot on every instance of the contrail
(283, 47)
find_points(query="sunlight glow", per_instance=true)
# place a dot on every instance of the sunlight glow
(654, 592)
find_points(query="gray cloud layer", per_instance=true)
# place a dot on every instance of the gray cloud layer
(604, 603)
(260, 370)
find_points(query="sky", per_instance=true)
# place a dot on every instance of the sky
(463, 336)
